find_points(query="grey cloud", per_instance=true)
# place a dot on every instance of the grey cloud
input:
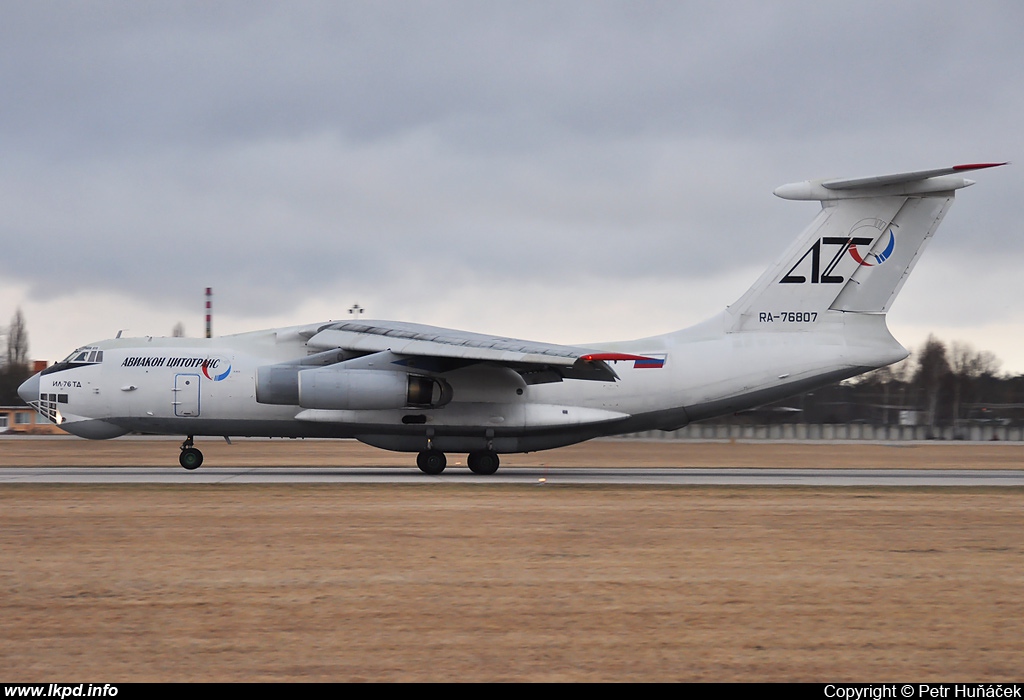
(286, 150)
(207, 73)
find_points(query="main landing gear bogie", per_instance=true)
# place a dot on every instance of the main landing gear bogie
(190, 458)
(484, 462)
(433, 462)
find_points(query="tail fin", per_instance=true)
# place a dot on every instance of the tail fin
(856, 254)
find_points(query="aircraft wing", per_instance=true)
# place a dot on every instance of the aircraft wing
(541, 362)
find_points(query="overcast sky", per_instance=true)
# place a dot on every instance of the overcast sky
(560, 171)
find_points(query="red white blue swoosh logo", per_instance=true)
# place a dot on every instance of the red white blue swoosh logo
(215, 377)
(878, 258)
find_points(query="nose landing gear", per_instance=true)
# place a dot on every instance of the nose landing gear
(190, 457)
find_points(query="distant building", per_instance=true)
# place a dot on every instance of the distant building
(25, 419)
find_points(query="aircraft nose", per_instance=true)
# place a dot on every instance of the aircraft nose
(29, 389)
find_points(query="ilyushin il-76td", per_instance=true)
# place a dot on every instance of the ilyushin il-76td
(816, 316)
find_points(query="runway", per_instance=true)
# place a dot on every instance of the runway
(517, 475)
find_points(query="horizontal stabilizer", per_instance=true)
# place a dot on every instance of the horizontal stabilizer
(899, 178)
(918, 182)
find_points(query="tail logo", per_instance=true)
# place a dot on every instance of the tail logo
(818, 265)
(879, 258)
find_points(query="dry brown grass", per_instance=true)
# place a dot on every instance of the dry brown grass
(488, 582)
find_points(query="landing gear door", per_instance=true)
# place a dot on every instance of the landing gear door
(186, 395)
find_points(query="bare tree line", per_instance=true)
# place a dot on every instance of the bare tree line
(15, 367)
(938, 385)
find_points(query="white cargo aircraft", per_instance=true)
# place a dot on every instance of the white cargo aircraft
(816, 316)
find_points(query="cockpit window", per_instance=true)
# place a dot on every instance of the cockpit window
(79, 358)
(83, 356)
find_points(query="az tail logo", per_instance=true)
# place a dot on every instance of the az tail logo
(841, 245)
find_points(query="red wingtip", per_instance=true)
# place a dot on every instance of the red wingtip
(978, 166)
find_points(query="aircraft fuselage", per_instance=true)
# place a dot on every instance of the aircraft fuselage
(209, 387)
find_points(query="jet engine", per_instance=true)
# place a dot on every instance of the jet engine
(366, 389)
(349, 389)
(278, 384)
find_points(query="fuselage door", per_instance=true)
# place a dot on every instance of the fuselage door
(186, 395)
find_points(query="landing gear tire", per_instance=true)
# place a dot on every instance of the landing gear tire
(190, 458)
(431, 462)
(484, 462)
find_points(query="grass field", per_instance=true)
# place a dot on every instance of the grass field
(488, 582)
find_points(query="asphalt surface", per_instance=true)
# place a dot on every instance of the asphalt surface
(515, 475)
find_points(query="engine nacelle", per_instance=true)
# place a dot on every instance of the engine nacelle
(369, 389)
(278, 384)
